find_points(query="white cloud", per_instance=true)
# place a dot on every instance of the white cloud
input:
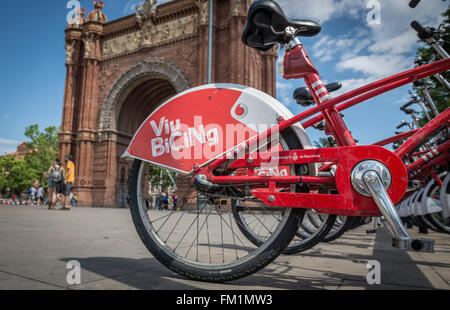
(352, 84)
(322, 10)
(327, 49)
(6, 150)
(8, 146)
(284, 92)
(378, 65)
(371, 52)
(8, 141)
(130, 6)
(283, 85)
(392, 37)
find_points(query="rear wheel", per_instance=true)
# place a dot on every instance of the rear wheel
(314, 226)
(342, 225)
(311, 231)
(201, 240)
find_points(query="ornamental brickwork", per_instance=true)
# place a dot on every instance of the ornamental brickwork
(119, 71)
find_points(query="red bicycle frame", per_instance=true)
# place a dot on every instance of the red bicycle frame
(297, 64)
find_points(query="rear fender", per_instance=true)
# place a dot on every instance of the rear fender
(204, 123)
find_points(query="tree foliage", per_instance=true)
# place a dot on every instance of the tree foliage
(437, 91)
(322, 143)
(17, 175)
(158, 176)
(43, 149)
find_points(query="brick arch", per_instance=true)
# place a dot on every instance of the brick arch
(156, 68)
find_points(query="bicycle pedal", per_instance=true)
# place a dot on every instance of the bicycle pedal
(414, 244)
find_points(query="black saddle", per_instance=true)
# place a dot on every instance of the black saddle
(304, 97)
(267, 23)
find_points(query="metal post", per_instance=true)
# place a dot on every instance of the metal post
(210, 30)
(424, 108)
(430, 101)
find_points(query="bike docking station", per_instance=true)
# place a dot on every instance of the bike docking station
(346, 180)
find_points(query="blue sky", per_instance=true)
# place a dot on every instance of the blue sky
(348, 49)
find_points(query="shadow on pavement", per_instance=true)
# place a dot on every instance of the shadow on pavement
(143, 274)
(398, 271)
(397, 267)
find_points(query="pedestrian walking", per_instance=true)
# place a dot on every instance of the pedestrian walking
(55, 175)
(150, 201)
(175, 200)
(40, 195)
(31, 195)
(166, 202)
(69, 180)
(159, 201)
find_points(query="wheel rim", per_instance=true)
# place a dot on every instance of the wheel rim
(208, 239)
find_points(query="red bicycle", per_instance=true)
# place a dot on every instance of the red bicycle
(251, 172)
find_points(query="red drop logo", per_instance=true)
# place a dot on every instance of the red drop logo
(240, 111)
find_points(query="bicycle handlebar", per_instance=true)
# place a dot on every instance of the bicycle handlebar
(409, 111)
(422, 33)
(402, 125)
(407, 104)
(413, 3)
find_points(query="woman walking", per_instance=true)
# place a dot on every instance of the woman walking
(55, 175)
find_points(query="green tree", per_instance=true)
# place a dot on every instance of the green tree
(43, 149)
(158, 176)
(322, 143)
(438, 92)
(16, 175)
(6, 163)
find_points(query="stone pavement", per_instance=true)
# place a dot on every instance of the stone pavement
(35, 246)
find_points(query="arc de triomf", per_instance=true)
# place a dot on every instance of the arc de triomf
(119, 71)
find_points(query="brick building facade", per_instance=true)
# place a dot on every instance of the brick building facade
(118, 72)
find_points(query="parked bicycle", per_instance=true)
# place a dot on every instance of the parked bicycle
(250, 216)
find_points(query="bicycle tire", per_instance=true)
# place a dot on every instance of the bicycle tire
(218, 272)
(342, 229)
(308, 237)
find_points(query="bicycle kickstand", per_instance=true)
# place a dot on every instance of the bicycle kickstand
(368, 178)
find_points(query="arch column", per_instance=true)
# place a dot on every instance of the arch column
(107, 154)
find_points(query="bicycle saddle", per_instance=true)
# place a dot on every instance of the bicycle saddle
(266, 25)
(304, 97)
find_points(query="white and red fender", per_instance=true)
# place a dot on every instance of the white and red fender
(193, 128)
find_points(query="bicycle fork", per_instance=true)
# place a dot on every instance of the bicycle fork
(371, 178)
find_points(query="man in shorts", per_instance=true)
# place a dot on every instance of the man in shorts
(69, 179)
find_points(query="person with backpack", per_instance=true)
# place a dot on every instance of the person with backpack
(55, 175)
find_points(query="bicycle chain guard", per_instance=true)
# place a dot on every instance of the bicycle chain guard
(348, 202)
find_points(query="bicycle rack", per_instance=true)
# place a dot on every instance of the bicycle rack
(372, 178)
(445, 197)
(430, 205)
(416, 202)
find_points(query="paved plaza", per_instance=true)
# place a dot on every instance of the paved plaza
(36, 244)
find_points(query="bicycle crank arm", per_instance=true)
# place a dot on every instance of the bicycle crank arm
(402, 239)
